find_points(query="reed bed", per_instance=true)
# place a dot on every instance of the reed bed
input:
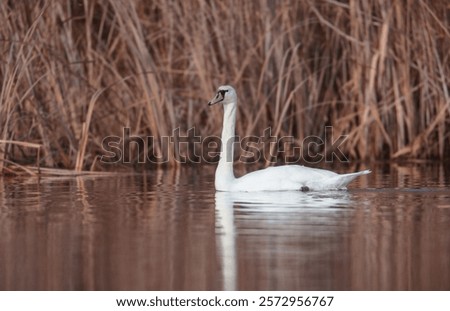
(75, 72)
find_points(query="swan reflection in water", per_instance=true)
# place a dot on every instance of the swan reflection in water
(264, 205)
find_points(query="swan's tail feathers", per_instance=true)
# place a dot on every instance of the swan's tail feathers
(344, 179)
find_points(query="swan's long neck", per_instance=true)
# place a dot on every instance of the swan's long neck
(224, 172)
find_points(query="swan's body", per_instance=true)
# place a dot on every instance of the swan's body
(279, 178)
(287, 177)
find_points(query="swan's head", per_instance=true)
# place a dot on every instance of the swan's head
(225, 95)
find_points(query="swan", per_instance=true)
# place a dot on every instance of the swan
(276, 178)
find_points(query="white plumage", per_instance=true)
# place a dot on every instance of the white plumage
(279, 178)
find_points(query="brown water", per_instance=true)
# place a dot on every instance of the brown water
(169, 230)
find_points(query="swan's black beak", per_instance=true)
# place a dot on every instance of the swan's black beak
(214, 101)
(217, 99)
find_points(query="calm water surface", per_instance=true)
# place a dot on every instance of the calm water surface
(169, 230)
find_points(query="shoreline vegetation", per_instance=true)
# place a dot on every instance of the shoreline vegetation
(75, 72)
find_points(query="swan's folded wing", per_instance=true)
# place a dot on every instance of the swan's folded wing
(340, 181)
(286, 177)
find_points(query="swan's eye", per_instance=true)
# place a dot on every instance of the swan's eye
(222, 92)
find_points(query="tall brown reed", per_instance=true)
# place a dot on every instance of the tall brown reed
(74, 72)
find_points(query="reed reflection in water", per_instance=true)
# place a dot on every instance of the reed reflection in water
(169, 230)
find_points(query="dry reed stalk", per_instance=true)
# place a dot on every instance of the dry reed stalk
(17, 169)
(85, 131)
(22, 144)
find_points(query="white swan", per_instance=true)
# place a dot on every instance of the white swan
(287, 177)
